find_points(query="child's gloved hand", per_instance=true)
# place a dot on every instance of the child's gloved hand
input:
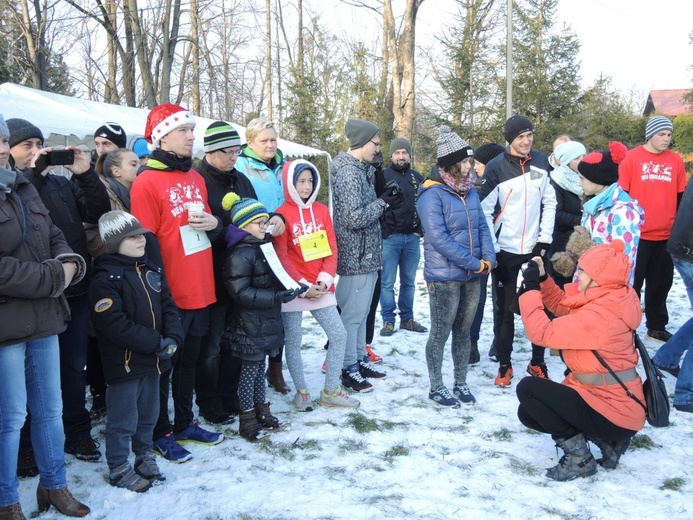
(167, 348)
(287, 295)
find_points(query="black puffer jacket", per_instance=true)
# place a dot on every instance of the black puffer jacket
(84, 198)
(254, 327)
(219, 183)
(132, 310)
(32, 279)
(402, 219)
(680, 243)
(568, 215)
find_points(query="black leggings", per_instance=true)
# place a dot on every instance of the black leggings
(551, 407)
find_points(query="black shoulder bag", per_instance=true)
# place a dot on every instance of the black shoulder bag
(656, 398)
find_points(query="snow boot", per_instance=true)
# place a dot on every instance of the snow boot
(268, 421)
(577, 460)
(248, 426)
(275, 377)
(611, 450)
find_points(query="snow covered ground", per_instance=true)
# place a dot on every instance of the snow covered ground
(398, 457)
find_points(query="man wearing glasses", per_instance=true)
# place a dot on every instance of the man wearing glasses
(356, 212)
(217, 373)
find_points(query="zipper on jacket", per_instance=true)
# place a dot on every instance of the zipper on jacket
(144, 286)
(524, 217)
(128, 356)
(469, 228)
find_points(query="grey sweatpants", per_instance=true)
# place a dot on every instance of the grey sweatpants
(354, 294)
(328, 319)
(453, 306)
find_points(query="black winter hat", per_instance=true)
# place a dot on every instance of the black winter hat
(487, 151)
(602, 167)
(21, 130)
(114, 133)
(516, 125)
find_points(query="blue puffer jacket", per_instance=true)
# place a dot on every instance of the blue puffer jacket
(456, 235)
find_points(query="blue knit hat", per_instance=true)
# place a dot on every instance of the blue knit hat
(140, 147)
(243, 210)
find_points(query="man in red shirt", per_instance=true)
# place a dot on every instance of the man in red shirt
(656, 177)
(170, 199)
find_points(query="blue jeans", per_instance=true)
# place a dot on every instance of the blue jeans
(403, 252)
(30, 375)
(669, 356)
(685, 269)
(453, 306)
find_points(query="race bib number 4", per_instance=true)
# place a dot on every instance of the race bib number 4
(314, 246)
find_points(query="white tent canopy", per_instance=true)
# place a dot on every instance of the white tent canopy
(66, 120)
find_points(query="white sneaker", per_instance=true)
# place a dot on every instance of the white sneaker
(338, 398)
(302, 401)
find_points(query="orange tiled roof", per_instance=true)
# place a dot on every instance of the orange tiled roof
(668, 102)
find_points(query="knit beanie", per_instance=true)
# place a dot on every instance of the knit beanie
(21, 130)
(516, 125)
(602, 167)
(4, 130)
(487, 151)
(656, 124)
(359, 132)
(114, 133)
(451, 147)
(116, 225)
(243, 210)
(400, 143)
(162, 120)
(220, 135)
(606, 264)
(568, 152)
(140, 147)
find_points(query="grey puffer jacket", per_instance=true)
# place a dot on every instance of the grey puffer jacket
(32, 280)
(356, 214)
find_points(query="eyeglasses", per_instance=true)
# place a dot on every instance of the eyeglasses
(261, 223)
(230, 153)
(377, 145)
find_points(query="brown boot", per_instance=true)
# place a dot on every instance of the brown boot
(248, 426)
(275, 378)
(62, 500)
(12, 512)
(268, 421)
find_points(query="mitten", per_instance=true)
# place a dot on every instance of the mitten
(167, 348)
(530, 277)
(286, 296)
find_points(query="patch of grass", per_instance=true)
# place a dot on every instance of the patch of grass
(673, 484)
(398, 450)
(279, 449)
(334, 471)
(376, 498)
(351, 445)
(502, 435)
(642, 441)
(521, 466)
(307, 444)
(361, 423)
(466, 419)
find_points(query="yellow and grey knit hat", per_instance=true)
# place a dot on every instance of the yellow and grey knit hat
(243, 210)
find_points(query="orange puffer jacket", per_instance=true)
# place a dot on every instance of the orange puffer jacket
(601, 318)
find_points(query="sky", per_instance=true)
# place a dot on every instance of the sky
(415, 462)
(641, 44)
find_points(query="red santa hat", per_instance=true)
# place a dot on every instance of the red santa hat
(163, 119)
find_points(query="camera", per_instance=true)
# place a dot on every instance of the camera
(393, 188)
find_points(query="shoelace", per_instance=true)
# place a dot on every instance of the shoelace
(445, 392)
(464, 389)
(356, 376)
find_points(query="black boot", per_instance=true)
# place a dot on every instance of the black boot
(611, 450)
(576, 462)
(268, 421)
(474, 356)
(248, 426)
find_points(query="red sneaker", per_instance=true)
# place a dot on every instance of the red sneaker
(505, 374)
(372, 356)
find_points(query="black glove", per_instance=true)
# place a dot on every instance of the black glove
(393, 195)
(530, 277)
(541, 249)
(288, 295)
(167, 348)
(377, 160)
(303, 288)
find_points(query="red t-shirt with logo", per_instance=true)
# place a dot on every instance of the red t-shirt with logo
(654, 180)
(158, 201)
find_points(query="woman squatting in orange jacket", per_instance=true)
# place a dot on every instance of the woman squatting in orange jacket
(598, 312)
